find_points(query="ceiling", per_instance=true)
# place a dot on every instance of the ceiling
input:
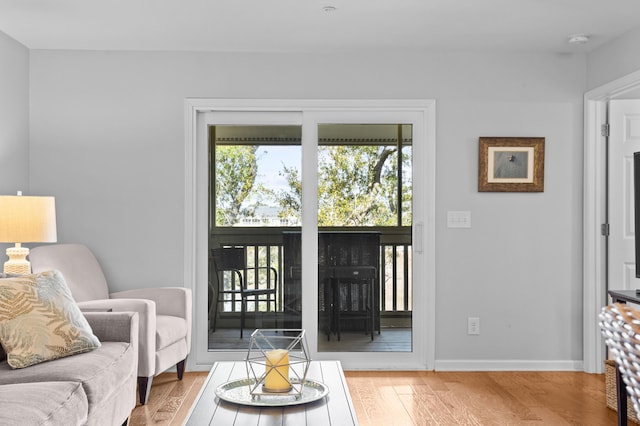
(305, 26)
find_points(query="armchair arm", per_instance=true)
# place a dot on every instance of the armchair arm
(114, 326)
(168, 300)
(175, 301)
(146, 310)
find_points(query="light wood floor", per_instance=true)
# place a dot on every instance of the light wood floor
(384, 398)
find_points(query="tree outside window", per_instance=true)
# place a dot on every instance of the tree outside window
(361, 182)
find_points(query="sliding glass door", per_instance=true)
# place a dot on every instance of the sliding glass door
(325, 215)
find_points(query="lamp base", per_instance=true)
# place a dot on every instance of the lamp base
(17, 263)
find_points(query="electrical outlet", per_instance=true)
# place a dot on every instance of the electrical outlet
(473, 326)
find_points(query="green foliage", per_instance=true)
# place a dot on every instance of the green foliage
(236, 170)
(290, 201)
(407, 187)
(357, 186)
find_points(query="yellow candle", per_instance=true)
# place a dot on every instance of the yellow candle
(277, 368)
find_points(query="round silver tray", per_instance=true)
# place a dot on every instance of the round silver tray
(238, 391)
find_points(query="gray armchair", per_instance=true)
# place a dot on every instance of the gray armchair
(164, 313)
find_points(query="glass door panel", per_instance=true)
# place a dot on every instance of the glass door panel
(364, 217)
(254, 210)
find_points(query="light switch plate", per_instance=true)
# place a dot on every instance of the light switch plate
(458, 219)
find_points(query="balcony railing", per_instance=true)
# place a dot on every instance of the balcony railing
(266, 248)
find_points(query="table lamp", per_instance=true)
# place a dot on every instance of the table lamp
(25, 220)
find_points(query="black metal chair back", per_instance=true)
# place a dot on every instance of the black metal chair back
(233, 259)
(229, 258)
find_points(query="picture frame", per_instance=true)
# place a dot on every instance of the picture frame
(511, 164)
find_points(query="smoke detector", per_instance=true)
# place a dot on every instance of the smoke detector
(578, 39)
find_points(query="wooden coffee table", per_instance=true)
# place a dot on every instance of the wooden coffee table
(336, 408)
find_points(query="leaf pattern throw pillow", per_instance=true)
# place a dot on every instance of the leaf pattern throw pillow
(40, 321)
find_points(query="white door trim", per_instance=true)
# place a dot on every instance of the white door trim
(594, 215)
(196, 216)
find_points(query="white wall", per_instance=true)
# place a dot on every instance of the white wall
(614, 60)
(14, 120)
(107, 141)
(14, 116)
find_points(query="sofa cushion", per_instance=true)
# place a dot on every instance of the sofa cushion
(40, 321)
(101, 371)
(169, 329)
(43, 403)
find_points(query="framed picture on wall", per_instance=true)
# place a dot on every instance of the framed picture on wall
(511, 164)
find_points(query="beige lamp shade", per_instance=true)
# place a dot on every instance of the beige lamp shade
(25, 220)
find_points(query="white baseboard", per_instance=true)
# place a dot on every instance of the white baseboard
(508, 365)
(470, 365)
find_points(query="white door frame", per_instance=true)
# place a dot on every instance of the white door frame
(594, 215)
(196, 211)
